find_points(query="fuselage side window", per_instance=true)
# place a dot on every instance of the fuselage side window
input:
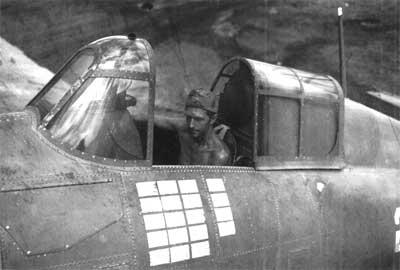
(321, 117)
(302, 123)
(299, 120)
(278, 128)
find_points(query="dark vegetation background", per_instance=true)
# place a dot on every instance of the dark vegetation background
(193, 38)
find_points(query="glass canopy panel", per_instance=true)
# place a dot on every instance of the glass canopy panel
(277, 78)
(63, 81)
(107, 117)
(317, 86)
(124, 55)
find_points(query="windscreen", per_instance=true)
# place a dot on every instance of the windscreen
(64, 80)
(108, 113)
(107, 118)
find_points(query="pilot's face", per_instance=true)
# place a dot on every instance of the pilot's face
(198, 122)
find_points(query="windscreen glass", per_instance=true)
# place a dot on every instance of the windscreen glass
(63, 81)
(124, 56)
(106, 118)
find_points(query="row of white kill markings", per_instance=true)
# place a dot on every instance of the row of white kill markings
(174, 218)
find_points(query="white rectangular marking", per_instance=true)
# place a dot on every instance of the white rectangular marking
(188, 186)
(147, 189)
(223, 214)
(200, 249)
(397, 244)
(177, 236)
(195, 216)
(152, 204)
(192, 201)
(215, 184)
(397, 216)
(171, 203)
(220, 199)
(166, 187)
(159, 256)
(339, 11)
(198, 232)
(154, 221)
(157, 239)
(180, 253)
(175, 219)
(226, 228)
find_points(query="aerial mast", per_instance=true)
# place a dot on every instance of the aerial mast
(343, 79)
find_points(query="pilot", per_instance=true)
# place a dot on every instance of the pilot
(200, 145)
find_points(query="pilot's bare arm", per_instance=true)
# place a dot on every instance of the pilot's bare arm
(222, 158)
(170, 121)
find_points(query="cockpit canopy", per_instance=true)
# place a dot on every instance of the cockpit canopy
(100, 103)
(100, 106)
(281, 118)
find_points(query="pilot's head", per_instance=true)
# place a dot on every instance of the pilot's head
(200, 111)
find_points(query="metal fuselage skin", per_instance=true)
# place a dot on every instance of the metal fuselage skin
(58, 211)
(63, 208)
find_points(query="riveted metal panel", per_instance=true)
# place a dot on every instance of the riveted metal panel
(299, 222)
(371, 138)
(40, 222)
(253, 241)
(29, 161)
(358, 209)
(79, 227)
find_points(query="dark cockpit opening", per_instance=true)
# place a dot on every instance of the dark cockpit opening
(235, 119)
(166, 147)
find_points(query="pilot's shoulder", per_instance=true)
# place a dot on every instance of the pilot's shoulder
(223, 154)
(222, 157)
